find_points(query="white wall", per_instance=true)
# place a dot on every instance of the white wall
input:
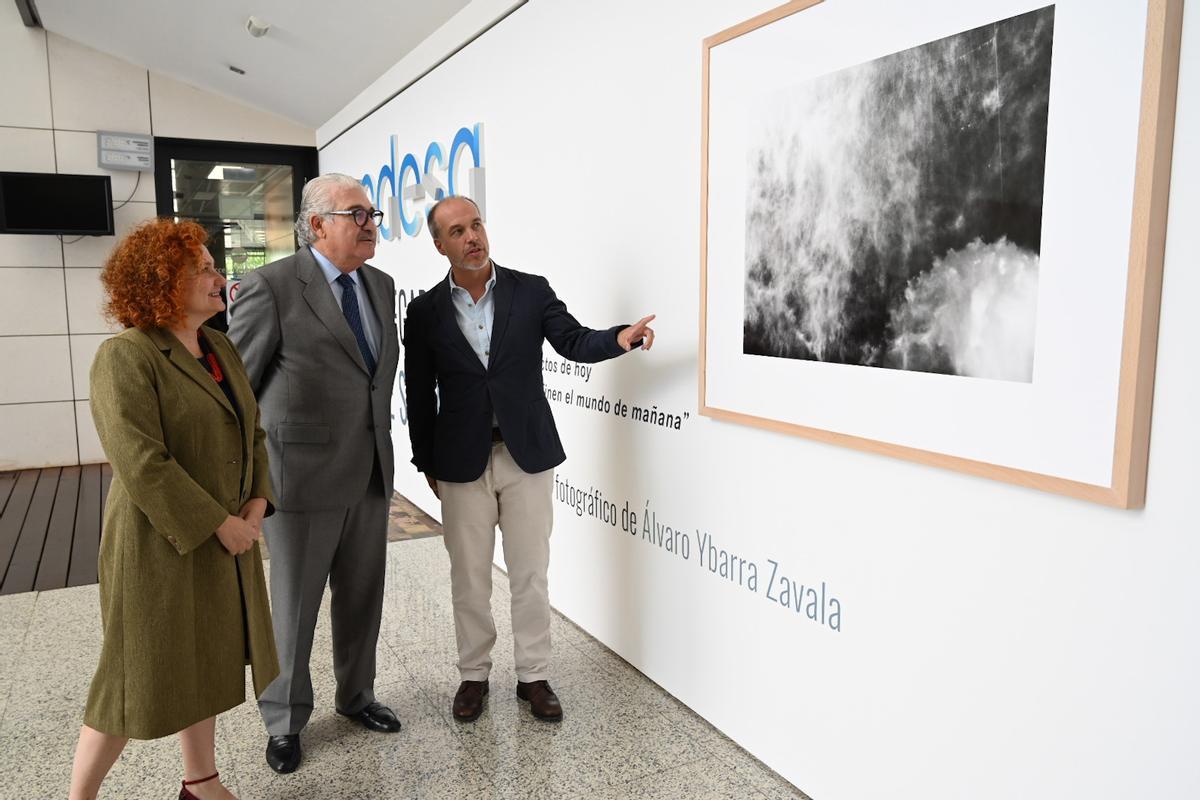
(55, 95)
(995, 642)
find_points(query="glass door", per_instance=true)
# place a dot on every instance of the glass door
(246, 196)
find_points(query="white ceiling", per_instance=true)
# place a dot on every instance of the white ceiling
(315, 59)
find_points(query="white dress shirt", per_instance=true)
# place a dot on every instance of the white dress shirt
(366, 311)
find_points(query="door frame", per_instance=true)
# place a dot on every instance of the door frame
(302, 160)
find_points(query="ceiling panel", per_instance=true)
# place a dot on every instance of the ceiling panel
(313, 61)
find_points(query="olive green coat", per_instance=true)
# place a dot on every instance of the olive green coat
(170, 596)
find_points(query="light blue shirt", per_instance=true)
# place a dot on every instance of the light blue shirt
(366, 312)
(475, 318)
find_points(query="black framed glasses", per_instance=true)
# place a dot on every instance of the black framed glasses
(360, 215)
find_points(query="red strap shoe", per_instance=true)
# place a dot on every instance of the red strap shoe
(184, 794)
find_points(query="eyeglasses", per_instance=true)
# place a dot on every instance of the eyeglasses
(359, 215)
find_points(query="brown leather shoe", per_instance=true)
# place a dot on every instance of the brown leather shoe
(468, 700)
(543, 702)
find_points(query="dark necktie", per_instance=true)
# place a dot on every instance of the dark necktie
(354, 318)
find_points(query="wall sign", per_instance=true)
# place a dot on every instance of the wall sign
(133, 152)
(406, 187)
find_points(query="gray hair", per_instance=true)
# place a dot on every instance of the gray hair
(433, 230)
(318, 199)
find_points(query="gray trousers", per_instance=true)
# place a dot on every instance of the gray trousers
(347, 547)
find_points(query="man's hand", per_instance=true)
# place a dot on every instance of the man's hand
(640, 330)
(433, 485)
(237, 535)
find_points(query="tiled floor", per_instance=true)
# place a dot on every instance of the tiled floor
(622, 736)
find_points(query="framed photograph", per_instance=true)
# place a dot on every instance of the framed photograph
(934, 230)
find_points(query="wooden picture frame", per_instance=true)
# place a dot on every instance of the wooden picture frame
(1126, 487)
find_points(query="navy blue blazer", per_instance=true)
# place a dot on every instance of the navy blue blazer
(451, 428)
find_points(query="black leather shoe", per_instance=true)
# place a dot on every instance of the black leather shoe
(375, 717)
(283, 753)
(468, 700)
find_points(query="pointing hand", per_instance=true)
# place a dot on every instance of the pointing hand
(638, 331)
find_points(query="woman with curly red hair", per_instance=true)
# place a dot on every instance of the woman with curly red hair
(183, 599)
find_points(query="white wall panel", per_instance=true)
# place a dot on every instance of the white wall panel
(26, 150)
(32, 301)
(30, 251)
(93, 91)
(85, 296)
(37, 369)
(83, 353)
(25, 91)
(184, 111)
(36, 435)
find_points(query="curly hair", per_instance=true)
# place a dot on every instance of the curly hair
(147, 272)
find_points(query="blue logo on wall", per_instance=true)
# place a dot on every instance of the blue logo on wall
(405, 188)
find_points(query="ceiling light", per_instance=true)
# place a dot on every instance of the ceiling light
(257, 27)
(232, 172)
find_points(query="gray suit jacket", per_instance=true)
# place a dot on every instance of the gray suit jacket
(326, 418)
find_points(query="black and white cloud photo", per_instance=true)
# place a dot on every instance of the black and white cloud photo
(894, 208)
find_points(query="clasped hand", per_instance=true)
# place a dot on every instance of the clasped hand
(238, 534)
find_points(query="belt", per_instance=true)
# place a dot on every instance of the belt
(497, 436)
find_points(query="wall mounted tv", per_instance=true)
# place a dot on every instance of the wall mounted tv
(49, 203)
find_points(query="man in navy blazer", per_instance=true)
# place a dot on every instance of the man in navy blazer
(483, 435)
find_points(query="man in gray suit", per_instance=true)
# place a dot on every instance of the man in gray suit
(318, 333)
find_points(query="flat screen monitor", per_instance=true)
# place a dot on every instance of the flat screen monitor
(49, 203)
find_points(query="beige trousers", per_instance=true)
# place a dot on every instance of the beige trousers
(522, 505)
